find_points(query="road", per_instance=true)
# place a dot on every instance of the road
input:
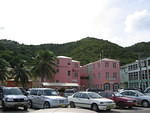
(133, 110)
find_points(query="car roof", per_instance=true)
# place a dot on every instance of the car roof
(42, 89)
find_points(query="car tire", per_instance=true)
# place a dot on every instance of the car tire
(72, 105)
(4, 107)
(94, 107)
(46, 105)
(30, 104)
(25, 108)
(145, 103)
(121, 105)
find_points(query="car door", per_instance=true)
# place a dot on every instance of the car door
(32, 97)
(40, 98)
(75, 99)
(84, 100)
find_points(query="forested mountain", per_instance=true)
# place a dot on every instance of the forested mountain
(86, 50)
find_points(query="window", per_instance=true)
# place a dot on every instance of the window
(99, 75)
(76, 74)
(148, 62)
(40, 92)
(132, 93)
(76, 65)
(57, 70)
(33, 92)
(98, 64)
(57, 61)
(114, 65)
(68, 73)
(114, 76)
(106, 64)
(83, 95)
(107, 75)
(77, 95)
(68, 63)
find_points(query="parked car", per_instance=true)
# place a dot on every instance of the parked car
(12, 97)
(69, 92)
(142, 99)
(46, 98)
(147, 91)
(120, 100)
(90, 100)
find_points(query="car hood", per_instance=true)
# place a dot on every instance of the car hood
(15, 96)
(103, 100)
(55, 97)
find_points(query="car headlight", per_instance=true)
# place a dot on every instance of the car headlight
(129, 101)
(25, 99)
(9, 99)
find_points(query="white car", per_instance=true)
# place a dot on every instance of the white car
(90, 100)
(46, 98)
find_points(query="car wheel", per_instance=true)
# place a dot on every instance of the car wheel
(121, 105)
(25, 108)
(46, 105)
(95, 107)
(4, 107)
(145, 103)
(130, 107)
(30, 104)
(72, 105)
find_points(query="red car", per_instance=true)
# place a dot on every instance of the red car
(120, 100)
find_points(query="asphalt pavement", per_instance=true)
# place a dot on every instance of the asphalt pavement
(133, 110)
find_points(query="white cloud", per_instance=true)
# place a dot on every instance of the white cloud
(139, 21)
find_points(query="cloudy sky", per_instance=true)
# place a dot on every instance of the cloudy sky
(124, 22)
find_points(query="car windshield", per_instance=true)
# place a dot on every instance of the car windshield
(94, 95)
(139, 93)
(50, 93)
(118, 95)
(12, 91)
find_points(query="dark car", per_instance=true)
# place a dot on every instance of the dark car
(96, 90)
(120, 100)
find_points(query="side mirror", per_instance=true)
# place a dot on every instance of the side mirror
(137, 95)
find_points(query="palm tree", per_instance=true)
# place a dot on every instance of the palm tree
(45, 66)
(20, 73)
(4, 65)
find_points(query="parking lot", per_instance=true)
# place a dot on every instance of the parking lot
(133, 110)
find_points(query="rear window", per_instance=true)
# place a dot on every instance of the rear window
(69, 91)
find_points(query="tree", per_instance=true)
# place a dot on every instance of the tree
(4, 65)
(20, 73)
(45, 66)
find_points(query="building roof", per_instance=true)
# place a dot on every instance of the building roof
(107, 59)
(61, 84)
(64, 57)
(75, 61)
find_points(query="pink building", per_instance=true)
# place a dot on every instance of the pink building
(104, 74)
(68, 70)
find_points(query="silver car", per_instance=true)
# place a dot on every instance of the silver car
(142, 99)
(12, 97)
(46, 98)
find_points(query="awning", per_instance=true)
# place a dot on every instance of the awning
(61, 84)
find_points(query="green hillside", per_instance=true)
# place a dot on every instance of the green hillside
(86, 50)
